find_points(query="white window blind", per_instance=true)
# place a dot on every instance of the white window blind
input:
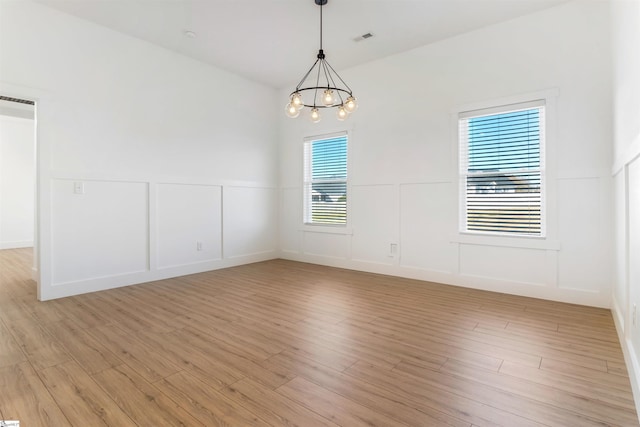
(325, 180)
(502, 169)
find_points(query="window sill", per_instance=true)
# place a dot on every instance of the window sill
(542, 243)
(328, 229)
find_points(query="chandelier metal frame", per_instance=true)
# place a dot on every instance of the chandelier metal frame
(330, 90)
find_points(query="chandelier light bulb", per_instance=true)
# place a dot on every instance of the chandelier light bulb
(315, 115)
(342, 113)
(328, 98)
(292, 111)
(351, 104)
(296, 100)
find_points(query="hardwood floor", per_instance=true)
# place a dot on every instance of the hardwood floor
(281, 343)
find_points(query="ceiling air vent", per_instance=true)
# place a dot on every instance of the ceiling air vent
(363, 37)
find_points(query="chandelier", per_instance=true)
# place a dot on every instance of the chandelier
(329, 90)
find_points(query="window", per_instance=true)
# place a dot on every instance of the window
(502, 170)
(325, 180)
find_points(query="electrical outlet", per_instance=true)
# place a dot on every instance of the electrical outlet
(633, 315)
(78, 187)
(393, 249)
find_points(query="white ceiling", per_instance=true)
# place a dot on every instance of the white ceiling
(276, 41)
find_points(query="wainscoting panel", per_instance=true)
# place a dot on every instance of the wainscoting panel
(427, 221)
(100, 229)
(250, 215)
(291, 219)
(517, 265)
(189, 224)
(584, 253)
(374, 218)
(634, 255)
(329, 245)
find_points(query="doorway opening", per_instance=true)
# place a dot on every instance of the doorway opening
(18, 178)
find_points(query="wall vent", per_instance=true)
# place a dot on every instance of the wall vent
(20, 101)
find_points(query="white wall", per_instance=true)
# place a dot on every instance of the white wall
(138, 151)
(403, 167)
(625, 24)
(17, 181)
(135, 127)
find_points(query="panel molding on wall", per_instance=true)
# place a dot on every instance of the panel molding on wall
(514, 265)
(326, 245)
(100, 229)
(633, 248)
(188, 224)
(374, 223)
(250, 214)
(290, 220)
(429, 247)
(628, 271)
(149, 230)
(427, 220)
(587, 242)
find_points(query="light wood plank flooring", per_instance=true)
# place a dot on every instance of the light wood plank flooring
(281, 343)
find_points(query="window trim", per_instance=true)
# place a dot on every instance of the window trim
(465, 174)
(320, 227)
(550, 98)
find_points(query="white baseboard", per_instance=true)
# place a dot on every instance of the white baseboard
(62, 290)
(630, 355)
(533, 290)
(17, 244)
